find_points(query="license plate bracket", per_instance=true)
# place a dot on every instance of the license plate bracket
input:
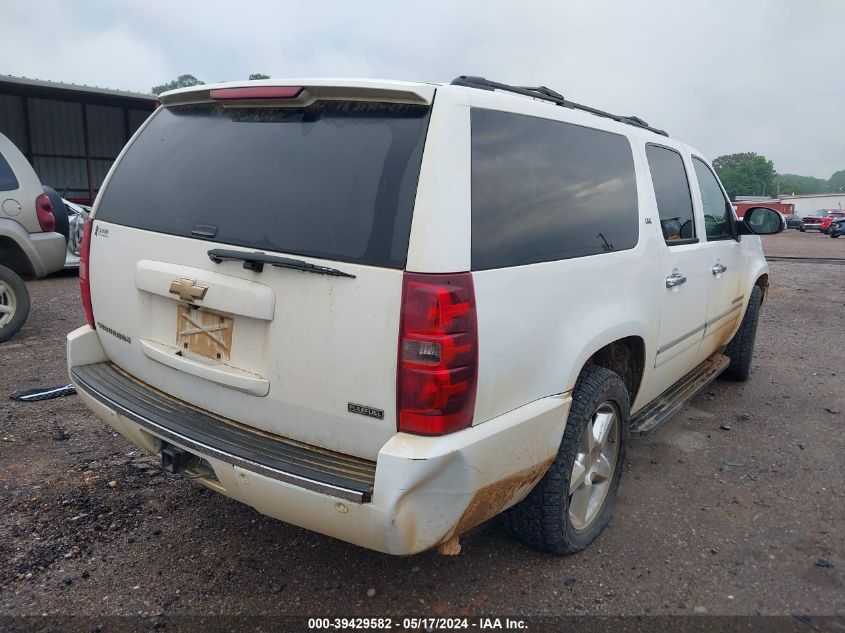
(204, 332)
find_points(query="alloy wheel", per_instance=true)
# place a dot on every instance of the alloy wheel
(8, 304)
(595, 463)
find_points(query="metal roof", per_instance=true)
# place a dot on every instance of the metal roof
(66, 87)
(801, 196)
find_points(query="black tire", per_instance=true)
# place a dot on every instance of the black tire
(803, 229)
(59, 212)
(741, 348)
(834, 234)
(12, 292)
(542, 519)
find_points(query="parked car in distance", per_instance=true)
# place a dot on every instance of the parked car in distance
(813, 220)
(793, 221)
(837, 227)
(31, 242)
(427, 311)
(77, 217)
(830, 217)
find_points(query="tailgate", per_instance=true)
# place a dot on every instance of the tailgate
(300, 352)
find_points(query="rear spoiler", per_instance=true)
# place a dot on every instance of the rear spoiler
(302, 92)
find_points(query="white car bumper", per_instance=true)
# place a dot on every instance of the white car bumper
(425, 490)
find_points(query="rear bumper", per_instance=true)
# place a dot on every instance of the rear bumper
(420, 492)
(51, 252)
(44, 252)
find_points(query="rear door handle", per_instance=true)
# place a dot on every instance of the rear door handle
(675, 279)
(718, 269)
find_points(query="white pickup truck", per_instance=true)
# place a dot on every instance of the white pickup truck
(388, 311)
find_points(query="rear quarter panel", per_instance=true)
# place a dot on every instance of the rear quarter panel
(29, 187)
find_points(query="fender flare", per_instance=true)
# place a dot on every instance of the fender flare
(755, 275)
(623, 330)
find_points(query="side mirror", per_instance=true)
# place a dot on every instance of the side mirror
(762, 221)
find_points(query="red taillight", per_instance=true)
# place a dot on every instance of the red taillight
(257, 92)
(438, 354)
(44, 211)
(84, 271)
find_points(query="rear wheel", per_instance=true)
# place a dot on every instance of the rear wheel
(14, 303)
(802, 228)
(741, 348)
(574, 501)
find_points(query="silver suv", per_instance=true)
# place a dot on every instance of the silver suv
(30, 246)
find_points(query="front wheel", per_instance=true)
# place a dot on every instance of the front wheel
(834, 234)
(803, 229)
(574, 501)
(14, 303)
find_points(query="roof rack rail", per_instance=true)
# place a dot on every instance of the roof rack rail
(547, 94)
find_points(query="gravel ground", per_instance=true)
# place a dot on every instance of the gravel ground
(737, 506)
(793, 243)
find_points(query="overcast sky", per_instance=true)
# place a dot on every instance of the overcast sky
(723, 75)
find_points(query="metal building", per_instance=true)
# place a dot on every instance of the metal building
(71, 134)
(816, 202)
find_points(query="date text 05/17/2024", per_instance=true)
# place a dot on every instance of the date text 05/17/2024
(411, 624)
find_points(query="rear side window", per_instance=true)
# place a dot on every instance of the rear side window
(335, 180)
(671, 188)
(8, 182)
(545, 190)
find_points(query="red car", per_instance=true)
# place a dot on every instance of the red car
(830, 217)
(813, 220)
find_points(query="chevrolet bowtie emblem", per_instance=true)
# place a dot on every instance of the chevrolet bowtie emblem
(188, 290)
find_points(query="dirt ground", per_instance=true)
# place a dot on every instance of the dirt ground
(793, 243)
(737, 506)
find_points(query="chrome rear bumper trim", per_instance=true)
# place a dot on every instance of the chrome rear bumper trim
(343, 476)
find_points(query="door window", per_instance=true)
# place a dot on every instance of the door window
(671, 189)
(718, 217)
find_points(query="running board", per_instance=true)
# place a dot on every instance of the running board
(667, 404)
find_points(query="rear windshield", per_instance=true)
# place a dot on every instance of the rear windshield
(336, 180)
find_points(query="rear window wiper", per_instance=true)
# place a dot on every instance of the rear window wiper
(256, 260)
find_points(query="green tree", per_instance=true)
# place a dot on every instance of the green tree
(255, 76)
(182, 81)
(746, 174)
(836, 183)
(798, 185)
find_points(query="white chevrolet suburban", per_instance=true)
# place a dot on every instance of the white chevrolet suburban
(389, 311)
